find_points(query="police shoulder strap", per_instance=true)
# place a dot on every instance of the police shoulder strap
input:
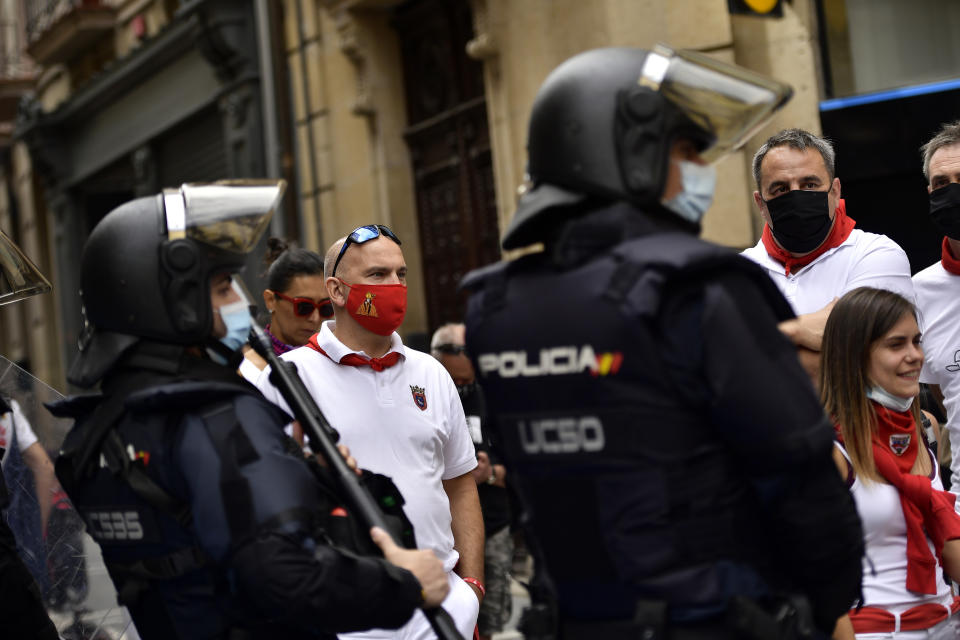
(235, 450)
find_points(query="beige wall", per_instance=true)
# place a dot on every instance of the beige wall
(40, 327)
(785, 49)
(357, 108)
(353, 168)
(13, 344)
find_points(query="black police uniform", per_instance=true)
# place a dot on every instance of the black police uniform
(671, 454)
(494, 500)
(210, 523)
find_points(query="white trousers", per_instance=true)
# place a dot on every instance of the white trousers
(461, 603)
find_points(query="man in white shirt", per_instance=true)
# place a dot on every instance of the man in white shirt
(938, 286)
(809, 246)
(399, 413)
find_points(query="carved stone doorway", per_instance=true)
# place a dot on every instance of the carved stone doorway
(449, 141)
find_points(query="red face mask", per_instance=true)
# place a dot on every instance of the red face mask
(378, 308)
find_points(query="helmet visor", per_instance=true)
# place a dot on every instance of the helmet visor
(727, 102)
(19, 277)
(229, 214)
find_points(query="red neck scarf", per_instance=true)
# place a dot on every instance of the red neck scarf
(842, 226)
(927, 511)
(949, 263)
(353, 360)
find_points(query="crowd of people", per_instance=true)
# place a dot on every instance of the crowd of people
(717, 446)
(724, 519)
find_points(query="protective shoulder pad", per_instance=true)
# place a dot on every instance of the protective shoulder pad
(186, 395)
(74, 406)
(474, 280)
(672, 251)
(680, 257)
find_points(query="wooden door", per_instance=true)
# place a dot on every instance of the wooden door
(449, 143)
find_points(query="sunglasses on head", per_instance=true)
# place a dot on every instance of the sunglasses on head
(303, 307)
(363, 234)
(452, 349)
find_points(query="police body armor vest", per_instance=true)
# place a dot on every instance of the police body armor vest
(135, 508)
(119, 466)
(629, 491)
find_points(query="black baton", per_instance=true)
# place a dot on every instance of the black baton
(323, 440)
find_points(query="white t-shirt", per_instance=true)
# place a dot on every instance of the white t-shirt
(862, 260)
(249, 371)
(15, 418)
(885, 537)
(417, 444)
(938, 303)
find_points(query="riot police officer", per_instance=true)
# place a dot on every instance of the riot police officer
(674, 461)
(211, 525)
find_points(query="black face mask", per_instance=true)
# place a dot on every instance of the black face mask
(801, 219)
(945, 210)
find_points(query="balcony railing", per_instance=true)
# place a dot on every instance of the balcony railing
(41, 14)
(16, 73)
(57, 30)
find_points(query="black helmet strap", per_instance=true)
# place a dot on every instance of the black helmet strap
(233, 358)
(641, 141)
(185, 289)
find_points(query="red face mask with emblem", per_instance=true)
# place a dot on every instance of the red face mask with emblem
(378, 308)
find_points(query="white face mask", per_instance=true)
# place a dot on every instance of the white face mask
(886, 399)
(699, 183)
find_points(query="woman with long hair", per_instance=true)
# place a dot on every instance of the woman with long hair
(869, 382)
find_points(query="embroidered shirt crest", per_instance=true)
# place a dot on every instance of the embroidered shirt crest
(419, 397)
(899, 442)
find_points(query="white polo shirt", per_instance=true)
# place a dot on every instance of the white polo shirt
(938, 303)
(862, 260)
(388, 431)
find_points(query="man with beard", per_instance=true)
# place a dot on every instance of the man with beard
(810, 247)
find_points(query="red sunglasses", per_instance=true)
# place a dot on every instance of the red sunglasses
(303, 307)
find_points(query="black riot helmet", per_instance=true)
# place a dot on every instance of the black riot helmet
(603, 123)
(146, 267)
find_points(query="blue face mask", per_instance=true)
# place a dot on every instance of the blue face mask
(699, 182)
(236, 317)
(886, 399)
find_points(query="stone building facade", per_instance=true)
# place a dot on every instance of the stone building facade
(410, 113)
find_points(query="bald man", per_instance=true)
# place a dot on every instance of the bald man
(399, 413)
